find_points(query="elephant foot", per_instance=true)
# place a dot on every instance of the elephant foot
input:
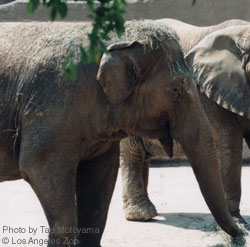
(243, 225)
(140, 211)
(239, 219)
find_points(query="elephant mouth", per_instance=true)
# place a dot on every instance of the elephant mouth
(167, 140)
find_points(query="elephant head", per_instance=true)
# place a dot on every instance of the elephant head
(145, 77)
(220, 64)
(150, 87)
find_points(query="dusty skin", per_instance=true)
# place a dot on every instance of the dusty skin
(183, 221)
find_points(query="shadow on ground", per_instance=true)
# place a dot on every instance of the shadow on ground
(158, 162)
(192, 221)
(205, 223)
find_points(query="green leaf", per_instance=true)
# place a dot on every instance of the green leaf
(32, 6)
(57, 7)
(53, 13)
(90, 16)
(90, 6)
(70, 70)
(103, 47)
(29, 8)
(124, 2)
(62, 9)
(84, 55)
(107, 17)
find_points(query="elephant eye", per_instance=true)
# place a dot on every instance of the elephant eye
(132, 71)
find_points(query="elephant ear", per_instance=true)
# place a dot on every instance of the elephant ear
(119, 71)
(220, 68)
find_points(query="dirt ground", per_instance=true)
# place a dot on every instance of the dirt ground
(183, 221)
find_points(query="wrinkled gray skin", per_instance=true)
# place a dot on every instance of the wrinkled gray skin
(63, 137)
(228, 121)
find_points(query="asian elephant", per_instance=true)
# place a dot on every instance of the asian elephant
(220, 65)
(62, 136)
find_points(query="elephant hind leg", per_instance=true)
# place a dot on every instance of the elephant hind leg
(134, 163)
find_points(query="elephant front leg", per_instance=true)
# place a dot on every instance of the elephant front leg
(231, 158)
(134, 165)
(95, 185)
(53, 178)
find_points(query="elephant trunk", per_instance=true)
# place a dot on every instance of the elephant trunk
(192, 130)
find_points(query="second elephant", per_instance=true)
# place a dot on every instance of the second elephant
(219, 60)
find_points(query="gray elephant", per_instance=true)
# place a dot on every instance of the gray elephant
(220, 65)
(62, 137)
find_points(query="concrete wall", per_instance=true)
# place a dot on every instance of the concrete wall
(205, 12)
